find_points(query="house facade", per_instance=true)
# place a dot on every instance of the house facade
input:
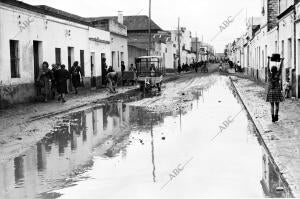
(118, 39)
(30, 35)
(275, 31)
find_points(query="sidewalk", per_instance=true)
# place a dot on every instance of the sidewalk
(282, 138)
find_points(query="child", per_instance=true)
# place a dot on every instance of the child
(274, 94)
(287, 88)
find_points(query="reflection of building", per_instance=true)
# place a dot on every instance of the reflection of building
(271, 180)
(142, 119)
(69, 147)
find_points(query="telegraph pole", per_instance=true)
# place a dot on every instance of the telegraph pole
(197, 56)
(149, 31)
(179, 50)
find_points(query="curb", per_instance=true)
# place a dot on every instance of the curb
(259, 131)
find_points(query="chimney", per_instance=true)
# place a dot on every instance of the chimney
(272, 13)
(120, 17)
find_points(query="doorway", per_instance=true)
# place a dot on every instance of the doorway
(37, 57)
(70, 61)
(103, 68)
(93, 78)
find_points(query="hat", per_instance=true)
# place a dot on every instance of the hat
(275, 57)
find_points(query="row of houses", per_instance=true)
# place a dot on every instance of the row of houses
(277, 30)
(31, 34)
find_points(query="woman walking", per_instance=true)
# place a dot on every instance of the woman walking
(274, 94)
(44, 79)
(62, 77)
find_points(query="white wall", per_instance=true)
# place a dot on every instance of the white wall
(286, 32)
(53, 33)
(119, 44)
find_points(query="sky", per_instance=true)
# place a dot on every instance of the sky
(202, 17)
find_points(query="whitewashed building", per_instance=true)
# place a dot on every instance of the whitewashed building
(30, 35)
(118, 38)
(277, 30)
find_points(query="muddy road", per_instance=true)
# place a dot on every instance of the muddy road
(192, 140)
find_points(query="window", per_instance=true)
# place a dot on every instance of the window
(14, 58)
(82, 61)
(57, 56)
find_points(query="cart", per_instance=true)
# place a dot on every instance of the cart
(150, 72)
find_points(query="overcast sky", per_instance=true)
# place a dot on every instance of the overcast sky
(202, 16)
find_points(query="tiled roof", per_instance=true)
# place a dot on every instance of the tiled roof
(46, 10)
(136, 22)
(133, 23)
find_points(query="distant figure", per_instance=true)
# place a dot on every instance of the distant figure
(132, 68)
(110, 69)
(112, 78)
(287, 88)
(104, 72)
(76, 75)
(62, 77)
(274, 95)
(152, 70)
(123, 67)
(179, 69)
(55, 68)
(44, 79)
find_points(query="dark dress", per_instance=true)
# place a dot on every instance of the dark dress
(62, 77)
(274, 93)
(76, 72)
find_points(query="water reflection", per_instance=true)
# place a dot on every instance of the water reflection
(107, 132)
(271, 182)
(69, 147)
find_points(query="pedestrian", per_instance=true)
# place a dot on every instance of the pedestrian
(104, 72)
(54, 70)
(123, 67)
(76, 75)
(44, 79)
(179, 69)
(274, 94)
(132, 69)
(62, 87)
(287, 88)
(110, 69)
(122, 71)
(112, 78)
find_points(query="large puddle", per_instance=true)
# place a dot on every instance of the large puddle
(207, 149)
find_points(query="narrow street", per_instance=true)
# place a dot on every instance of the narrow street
(192, 140)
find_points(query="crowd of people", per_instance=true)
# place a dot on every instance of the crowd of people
(195, 66)
(55, 81)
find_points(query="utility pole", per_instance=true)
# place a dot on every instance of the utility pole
(149, 26)
(179, 50)
(197, 56)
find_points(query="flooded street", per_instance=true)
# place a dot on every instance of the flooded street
(206, 148)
